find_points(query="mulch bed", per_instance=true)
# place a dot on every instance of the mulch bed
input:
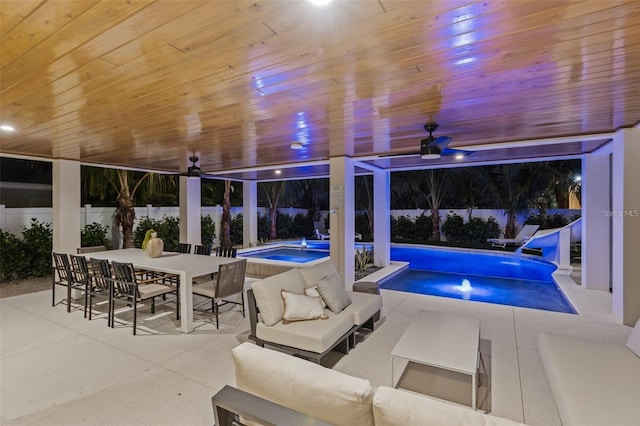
(27, 285)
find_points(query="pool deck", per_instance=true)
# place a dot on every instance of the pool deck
(174, 375)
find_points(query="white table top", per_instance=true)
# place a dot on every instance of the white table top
(441, 340)
(195, 264)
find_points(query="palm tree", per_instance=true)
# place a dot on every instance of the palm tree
(273, 191)
(225, 220)
(422, 187)
(515, 186)
(364, 198)
(95, 181)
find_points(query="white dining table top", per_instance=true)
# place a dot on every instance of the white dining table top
(171, 262)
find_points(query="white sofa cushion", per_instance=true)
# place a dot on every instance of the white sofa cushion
(267, 294)
(303, 386)
(363, 306)
(593, 382)
(300, 307)
(633, 342)
(313, 292)
(312, 274)
(392, 407)
(314, 336)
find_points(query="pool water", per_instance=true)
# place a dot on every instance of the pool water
(295, 255)
(501, 279)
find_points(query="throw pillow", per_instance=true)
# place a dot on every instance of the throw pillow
(313, 292)
(333, 293)
(299, 307)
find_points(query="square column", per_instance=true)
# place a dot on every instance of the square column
(66, 206)
(381, 222)
(625, 214)
(249, 213)
(596, 235)
(342, 217)
(190, 206)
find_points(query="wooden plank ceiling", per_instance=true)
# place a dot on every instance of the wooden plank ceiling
(143, 84)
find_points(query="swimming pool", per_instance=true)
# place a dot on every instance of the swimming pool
(492, 278)
(501, 278)
(287, 254)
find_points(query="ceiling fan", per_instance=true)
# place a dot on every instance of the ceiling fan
(432, 148)
(194, 170)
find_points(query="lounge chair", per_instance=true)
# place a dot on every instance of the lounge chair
(523, 236)
(326, 235)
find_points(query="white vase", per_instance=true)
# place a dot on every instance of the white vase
(155, 246)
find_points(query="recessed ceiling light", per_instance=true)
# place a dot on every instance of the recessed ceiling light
(459, 156)
(278, 172)
(297, 145)
(320, 2)
(7, 128)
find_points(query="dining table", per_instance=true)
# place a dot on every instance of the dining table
(186, 266)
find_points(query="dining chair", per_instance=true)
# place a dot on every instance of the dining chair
(63, 276)
(80, 274)
(202, 249)
(184, 248)
(126, 287)
(100, 284)
(229, 281)
(226, 251)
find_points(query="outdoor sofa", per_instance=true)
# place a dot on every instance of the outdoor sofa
(593, 382)
(311, 338)
(273, 388)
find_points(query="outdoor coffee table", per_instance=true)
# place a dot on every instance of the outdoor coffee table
(442, 340)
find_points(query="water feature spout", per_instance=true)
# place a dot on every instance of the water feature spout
(303, 243)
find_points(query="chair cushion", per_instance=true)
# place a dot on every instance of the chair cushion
(300, 307)
(267, 294)
(300, 385)
(313, 336)
(392, 407)
(152, 290)
(207, 289)
(333, 293)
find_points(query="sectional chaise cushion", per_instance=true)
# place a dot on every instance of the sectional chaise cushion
(300, 385)
(633, 342)
(392, 407)
(267, 294)
(593, 382)
(314, 336)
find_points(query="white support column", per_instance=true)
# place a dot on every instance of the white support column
(190, 205)
(596, 235)
(381, 222)
(342, 217)
(66, 206)
(625, 214)
(249, 213)
(3, 220)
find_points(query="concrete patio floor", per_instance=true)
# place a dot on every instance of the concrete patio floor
(61, 369)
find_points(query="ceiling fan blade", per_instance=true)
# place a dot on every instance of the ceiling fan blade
(451, 151)
(441, 142)
(400, 155)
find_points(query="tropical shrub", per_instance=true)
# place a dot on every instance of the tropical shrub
(263, 227)
(362, 227)
(14, 263)
(207, 230)
(302, 226)
(402, 228)
(424, 226)
(94, 234)
(236, 230)
(363, 258)
(547, 222)
(38, 243)
(453, 228)
(284, 223)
